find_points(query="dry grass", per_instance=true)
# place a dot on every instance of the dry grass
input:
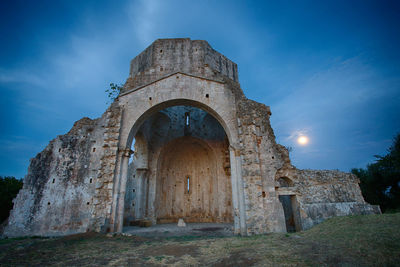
(372, 240)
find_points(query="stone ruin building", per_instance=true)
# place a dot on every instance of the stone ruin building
(180, 141)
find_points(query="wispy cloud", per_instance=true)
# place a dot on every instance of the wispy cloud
(145, 13)
(298, 133)
(19, 144)
(348, 82)
(22, 75)
(326, 94)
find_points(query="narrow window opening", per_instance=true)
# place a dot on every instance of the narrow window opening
(187, 119)
(263, 194)
(149, 98)
(161, 51)
(94, 149)
(207, 95)
(54, 180)
(59, 150)
(48, 203)
(188, 184)
(87, 203)
(133, 190)
(90, 181)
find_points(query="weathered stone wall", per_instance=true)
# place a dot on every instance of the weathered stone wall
(104, 186)
(328, 186)
(321, 194)
(324, 194)
(57, 196)
(68, 188)
(168, 56)
(260, 160)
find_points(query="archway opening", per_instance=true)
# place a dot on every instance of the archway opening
(180, 169)
(285, 182)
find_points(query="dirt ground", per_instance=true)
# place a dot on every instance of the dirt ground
(372, 240)
(191, 229)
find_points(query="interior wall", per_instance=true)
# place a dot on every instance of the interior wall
(189, 185)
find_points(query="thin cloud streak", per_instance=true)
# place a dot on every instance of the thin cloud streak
(144, 15)
(21, 76)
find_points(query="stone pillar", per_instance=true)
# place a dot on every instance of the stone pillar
(115, 196)
(141, 193)
(119, 223)
(151, 197)
(138, 196)
(237, 192)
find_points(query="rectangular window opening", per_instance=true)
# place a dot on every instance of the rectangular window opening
(188, 184)
(187, 118)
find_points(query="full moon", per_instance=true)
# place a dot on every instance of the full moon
(302, 140)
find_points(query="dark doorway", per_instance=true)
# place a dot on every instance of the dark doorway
(289, 205)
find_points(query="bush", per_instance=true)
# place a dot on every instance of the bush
(380, 181)
(9, 188)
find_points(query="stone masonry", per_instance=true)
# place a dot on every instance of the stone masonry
(181, 141)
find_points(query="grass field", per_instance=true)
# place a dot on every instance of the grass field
(372, 240)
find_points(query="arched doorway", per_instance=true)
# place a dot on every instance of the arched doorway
(180, 169)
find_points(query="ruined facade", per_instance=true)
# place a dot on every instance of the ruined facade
(180, 141)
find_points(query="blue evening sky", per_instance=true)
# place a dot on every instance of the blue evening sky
(328, 69)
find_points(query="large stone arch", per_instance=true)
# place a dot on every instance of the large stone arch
(140, 103)
(178, 89)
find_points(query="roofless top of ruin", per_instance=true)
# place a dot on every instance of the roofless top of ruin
(167, 56)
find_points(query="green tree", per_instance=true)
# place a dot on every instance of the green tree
(380, 181)
(9, 188)
(114, 91)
